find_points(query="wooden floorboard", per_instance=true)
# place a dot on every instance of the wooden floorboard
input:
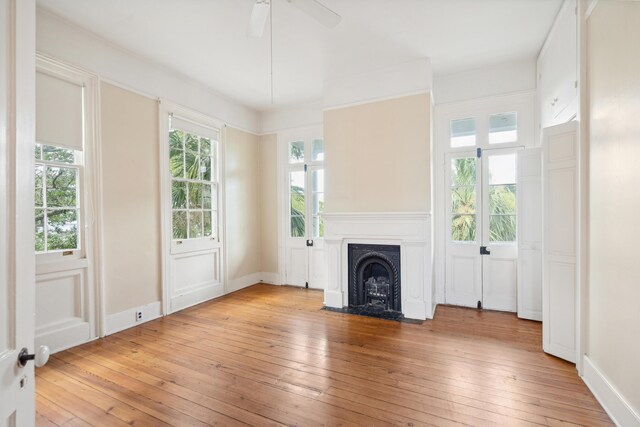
(268, 356)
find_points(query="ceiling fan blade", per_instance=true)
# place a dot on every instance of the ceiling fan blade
(258, 19)
(318, 11)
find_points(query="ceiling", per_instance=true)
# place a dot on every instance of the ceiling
(206, 39)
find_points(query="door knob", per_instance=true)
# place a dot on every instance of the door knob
(41, 357)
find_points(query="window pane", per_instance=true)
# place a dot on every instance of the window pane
(296, 152)
(463, 132)
(317, 180)
(208, 230)
(57, 154)
(502, 199)
(61, 187)
(205, 168)
(206, 196)
(62, 229)
(192, 165)
(297, 226)
(195, 196)
(318, 203)
(296, 189)
(205, 147)
(502, 228)
(38, 152)
(317, 148)
(503, 128)
(463, 200)
(502, 169)
(195, 224)
(179, 194)
(463, 228)
(39, 230)
(318, 226)
(176, 153)
(192, 143)
(39, 186)
(179, 221)
(463, 171)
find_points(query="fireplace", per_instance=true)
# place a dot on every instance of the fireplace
(374, 279)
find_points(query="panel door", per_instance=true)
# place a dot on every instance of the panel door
(560, 204)
(304, 243)
(17, 259)
(499, 229)
(463, 274)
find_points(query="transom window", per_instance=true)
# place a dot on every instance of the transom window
(57, 199)
(194, 184)
(500, 128)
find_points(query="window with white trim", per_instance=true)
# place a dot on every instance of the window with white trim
(193, 164)
(57, 198)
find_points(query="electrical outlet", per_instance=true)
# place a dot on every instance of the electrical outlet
(139, 316)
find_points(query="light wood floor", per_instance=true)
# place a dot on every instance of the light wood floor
(268, 355)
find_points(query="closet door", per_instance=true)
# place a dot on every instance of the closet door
(560, 200)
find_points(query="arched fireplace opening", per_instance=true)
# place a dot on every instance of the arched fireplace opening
(374, 279)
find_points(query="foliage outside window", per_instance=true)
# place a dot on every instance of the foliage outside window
(194, 186)
(57, 204)
(463, 199)
(502, 198)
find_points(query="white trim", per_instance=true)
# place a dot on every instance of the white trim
(243, 282)
(378, 99)
(591, 5)
(92, 186)
(522, 100)
(614, 403)
(409, 230)
(127, 319)
(172, 304)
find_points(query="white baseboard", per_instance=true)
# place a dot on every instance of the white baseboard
(126, 319)
(270, 278)
(243, 282)
(611, 400)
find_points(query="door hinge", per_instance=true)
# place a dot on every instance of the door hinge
(479, 152)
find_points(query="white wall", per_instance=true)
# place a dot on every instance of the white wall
(613, 335)
(63, 40)
(500, 79)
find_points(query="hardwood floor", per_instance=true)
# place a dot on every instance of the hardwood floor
(269, 355)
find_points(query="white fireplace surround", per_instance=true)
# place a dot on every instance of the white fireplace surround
(410, 230)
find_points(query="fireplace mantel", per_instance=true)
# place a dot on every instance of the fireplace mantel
(410, 230)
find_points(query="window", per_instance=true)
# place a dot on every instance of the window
(57, 199)
(463, 133)
(194, 184)
(306, 187)
(503, 128)
(317, 189)
(297, 203)
(502, 198)
(296, 152)
(463, 199)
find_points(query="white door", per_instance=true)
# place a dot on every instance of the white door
(17, 259)
(66, 312)
(304, 245)
(560, 201)
(192, 199)
(481, 258)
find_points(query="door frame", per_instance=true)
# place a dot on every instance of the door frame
(283, 139)
(165, 109)
(521, 102)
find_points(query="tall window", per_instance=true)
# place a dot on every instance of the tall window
(57, 199)
(306, 188)
(194, 183)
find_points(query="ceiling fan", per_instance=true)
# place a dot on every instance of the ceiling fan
(313, 8)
